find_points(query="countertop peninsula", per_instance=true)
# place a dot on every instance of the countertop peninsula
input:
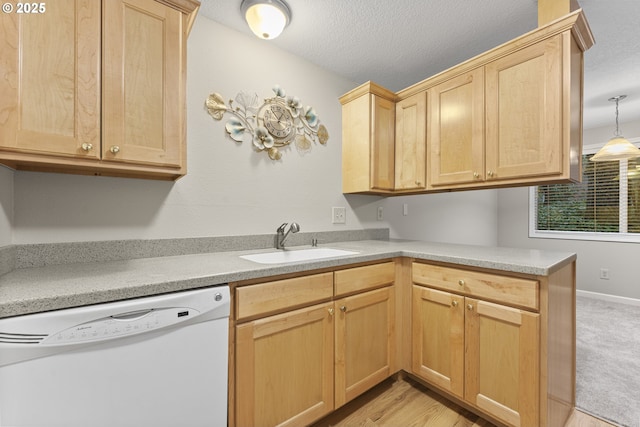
(53, 287)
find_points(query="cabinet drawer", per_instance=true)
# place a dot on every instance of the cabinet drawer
(279, 295)
(503, 289)
(362, 278)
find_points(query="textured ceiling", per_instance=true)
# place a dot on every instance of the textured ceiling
(401, 42)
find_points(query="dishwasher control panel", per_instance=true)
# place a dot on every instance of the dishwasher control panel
(122, 325)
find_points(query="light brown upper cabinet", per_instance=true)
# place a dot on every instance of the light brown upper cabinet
(50, 81)
(511, 116)
(411, 143)
(368, 117)
(456, 143)
(142, 105)
(96, 88)
(384, 142)
(503, 123)
(524, 112)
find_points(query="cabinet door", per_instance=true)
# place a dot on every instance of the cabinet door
(411, 141)
(364, 342)
(143, 55)
(50, 80)
(502, 362)
(284, 368)
(456, 123)
(382, 143)
(524, 112)
(438, 338)
(356, 144)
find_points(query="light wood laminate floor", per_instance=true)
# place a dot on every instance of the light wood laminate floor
(407, 403)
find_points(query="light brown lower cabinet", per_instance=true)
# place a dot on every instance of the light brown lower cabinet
(364, 342)
(484, 353)
(437, 330)
(284, 368)
(501, 361)
(294, 367)
(501, 344)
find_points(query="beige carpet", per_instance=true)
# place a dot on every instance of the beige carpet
(608, 360)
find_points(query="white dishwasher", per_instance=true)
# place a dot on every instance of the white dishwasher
(154, 361)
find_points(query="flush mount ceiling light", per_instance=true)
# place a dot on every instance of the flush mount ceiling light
(266, 18)
(618, 148)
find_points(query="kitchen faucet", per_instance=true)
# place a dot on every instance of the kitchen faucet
(281, 236)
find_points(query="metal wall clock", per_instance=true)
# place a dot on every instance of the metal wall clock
(272, 124)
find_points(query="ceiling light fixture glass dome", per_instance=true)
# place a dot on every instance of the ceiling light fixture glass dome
(266, 18)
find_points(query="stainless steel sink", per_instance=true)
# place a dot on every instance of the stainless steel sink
(296, 255)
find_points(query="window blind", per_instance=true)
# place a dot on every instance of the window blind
(607, 200)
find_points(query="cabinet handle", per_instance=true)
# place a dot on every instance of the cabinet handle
(461, 282)
(454, 303)
(86, 146)
(114, 149)
(343, 309)
(470, 307)
(330, 312)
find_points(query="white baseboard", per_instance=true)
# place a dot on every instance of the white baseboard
(607, 297)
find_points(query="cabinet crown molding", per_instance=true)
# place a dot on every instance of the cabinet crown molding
(187, 7)
(575, 22)
(184, 6)
(368, 88)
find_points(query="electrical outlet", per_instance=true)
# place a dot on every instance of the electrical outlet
(604, 273)
(380, 213)
(405, 209)
(339, 215)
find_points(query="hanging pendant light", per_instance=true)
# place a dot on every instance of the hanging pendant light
(618, 148)
(266, 18)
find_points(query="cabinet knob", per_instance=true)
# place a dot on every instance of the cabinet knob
(343, 308)
(490, 173)
(461, 282)
(330, 312)
(476, 175)
(114, 149)
(454, 303)
(418, 183)
(470, 307)
(87, 146)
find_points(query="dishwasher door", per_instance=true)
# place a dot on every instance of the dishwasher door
(157, 361)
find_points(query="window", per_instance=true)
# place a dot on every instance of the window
(605, 206)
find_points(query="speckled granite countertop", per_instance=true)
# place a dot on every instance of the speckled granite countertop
(30, 290)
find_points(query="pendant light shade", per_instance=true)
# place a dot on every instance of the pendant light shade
(266, 18)
(618, 148)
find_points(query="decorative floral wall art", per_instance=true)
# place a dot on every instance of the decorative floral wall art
(272, 124)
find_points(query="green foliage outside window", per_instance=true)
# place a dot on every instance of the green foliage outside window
(593, 205)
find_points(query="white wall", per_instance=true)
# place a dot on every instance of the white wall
(466, 217)
(229, 188)
(6, 205)
(620, 258)
(599, 136)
